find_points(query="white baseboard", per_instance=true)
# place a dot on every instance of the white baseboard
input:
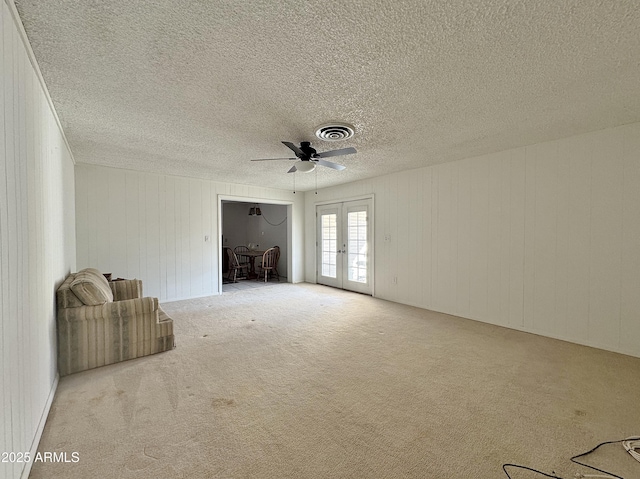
(43, 420)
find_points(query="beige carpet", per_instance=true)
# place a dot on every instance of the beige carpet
(303, 381)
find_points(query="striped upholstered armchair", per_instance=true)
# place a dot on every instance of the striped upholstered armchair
(102, 322)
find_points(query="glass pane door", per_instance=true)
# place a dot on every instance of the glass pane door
(329, 240)
(357, 246)
(344, 245)
(329, 244)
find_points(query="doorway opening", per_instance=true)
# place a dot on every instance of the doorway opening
(248, 229)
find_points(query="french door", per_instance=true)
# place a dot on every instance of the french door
(344, 245)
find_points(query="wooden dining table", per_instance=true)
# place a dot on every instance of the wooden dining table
(252, 255)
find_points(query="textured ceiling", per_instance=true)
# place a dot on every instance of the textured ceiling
(198, 88)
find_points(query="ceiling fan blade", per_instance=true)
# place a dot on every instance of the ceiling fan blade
(343, 151)
(293, 169)
(293, 148)
(329, 164)
(270, 159)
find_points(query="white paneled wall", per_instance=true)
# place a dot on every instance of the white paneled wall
(544, 238)
(152, 227)
(37, 243)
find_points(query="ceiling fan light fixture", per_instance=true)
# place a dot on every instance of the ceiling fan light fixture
(335, 131)
(305, 166)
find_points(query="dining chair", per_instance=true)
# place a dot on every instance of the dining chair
(238, 250)
(275, 268)
(268, 263)
(235, 265)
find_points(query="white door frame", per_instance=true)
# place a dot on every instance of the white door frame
(371, 255)
(266, 201)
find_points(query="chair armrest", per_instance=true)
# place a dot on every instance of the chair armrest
(126, 289)
(118, 309)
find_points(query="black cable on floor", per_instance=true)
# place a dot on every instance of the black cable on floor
(573, 459)
(504, 468)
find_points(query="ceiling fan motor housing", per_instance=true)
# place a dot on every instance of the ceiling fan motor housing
(309, 152)
(309, 158)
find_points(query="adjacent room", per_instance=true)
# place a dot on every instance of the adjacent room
(319, 239)
(245, 227)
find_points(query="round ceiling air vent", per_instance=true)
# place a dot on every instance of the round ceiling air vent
(334, 131)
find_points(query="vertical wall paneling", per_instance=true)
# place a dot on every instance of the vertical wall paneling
(434, 302)
(37, 242)
(528, 314)
(210, 249)
(494, 236)
(403, 237)
(152, 230)
(544, 235)
(157, 232)
(427, 238)
(22, 256)
(479, 225)
(82, 238)
(117, 231)
(101, 224)
(130, 231)
(162, 246)
(562, 240)
(577, 152)
(197, 239)
(415, 193)
(606, 236)
(184, 233)
(385, 264)
(454, 237)
(505, 235)
(395, 237)
(170, 234)
(464, 240)
(541, 238)
(630, 252)
(381, 231)
(517, 201)
(444, 263)
(6, 96)
(144, 240)
(5, 404)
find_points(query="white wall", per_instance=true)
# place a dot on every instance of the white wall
(152, 227)
(37, 243)
(543, 238)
